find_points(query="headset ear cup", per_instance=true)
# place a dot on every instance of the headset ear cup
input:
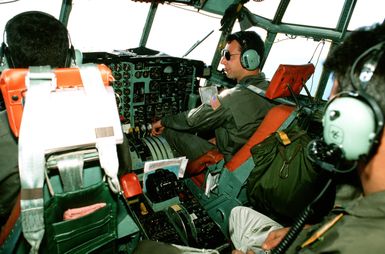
(2, 60)
(5, 59)
(71, 57)
(78, 57)
(354, 135)
(2, 52)
(250, 59)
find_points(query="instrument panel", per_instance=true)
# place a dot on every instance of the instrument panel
(184, 222)
(146, 89)
(149, 87)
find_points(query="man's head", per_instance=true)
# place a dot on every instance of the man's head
(354, 118)
(34, 39)
(242, 54)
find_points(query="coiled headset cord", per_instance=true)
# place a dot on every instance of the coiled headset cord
(299, 224)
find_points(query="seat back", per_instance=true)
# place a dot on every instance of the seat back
(13, 87)
(287, 81)
(272, 121)
(62, 118)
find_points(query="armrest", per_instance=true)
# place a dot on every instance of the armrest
(197, 166)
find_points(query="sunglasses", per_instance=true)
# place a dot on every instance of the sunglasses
(226, 54)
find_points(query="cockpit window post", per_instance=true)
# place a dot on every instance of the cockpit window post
(227, 22)
(148, 24)
(65, 11)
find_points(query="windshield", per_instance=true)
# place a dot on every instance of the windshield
(183, 31)
(175, 30)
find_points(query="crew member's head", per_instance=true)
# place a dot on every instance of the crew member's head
(354, 117)
(242, 55)
(36, 38)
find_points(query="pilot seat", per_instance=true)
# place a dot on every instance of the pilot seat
(68, 129)
(225, 189)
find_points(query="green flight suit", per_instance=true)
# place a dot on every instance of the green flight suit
(238, 115)
(9, 171)
(360, 230)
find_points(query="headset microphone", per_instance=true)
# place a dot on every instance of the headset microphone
(352, 120)
(327, 156)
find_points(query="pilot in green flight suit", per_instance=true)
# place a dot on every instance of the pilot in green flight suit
(234, 114)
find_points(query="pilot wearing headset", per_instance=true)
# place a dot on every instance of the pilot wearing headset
(30, 39)
(234, 113)
(353, 135)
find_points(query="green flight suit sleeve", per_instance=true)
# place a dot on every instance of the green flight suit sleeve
(201, 118)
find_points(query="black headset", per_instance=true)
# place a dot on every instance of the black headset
(250, 58)
(6, 60)
(353, 121)
(71, 55)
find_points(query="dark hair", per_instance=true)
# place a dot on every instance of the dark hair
(36, 38)
(248, 40)
(344, 56)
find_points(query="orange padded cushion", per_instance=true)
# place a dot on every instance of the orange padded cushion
(12, 84)
(293, 75)
(196, 166)
(272, 121)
